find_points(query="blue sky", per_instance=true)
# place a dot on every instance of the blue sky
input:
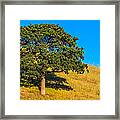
(88, 32)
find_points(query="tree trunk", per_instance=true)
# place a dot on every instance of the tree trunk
(42, 90)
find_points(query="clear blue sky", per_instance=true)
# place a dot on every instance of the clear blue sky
(88, 32)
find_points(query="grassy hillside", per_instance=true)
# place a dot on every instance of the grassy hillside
(60, 86)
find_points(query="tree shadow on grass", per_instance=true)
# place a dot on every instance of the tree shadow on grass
(52, 81)
(55, 82)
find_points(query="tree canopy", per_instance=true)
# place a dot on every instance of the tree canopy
(48, 46)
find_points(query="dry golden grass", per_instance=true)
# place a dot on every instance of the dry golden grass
(82, 87)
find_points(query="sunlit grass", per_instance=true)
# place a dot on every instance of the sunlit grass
(84, 87)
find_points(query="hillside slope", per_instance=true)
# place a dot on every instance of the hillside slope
(60, 86)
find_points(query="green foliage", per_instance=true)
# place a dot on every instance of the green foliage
(44, 46)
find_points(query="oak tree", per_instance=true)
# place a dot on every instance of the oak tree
(44, 46)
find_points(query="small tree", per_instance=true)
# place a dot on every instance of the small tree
(44, 46)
